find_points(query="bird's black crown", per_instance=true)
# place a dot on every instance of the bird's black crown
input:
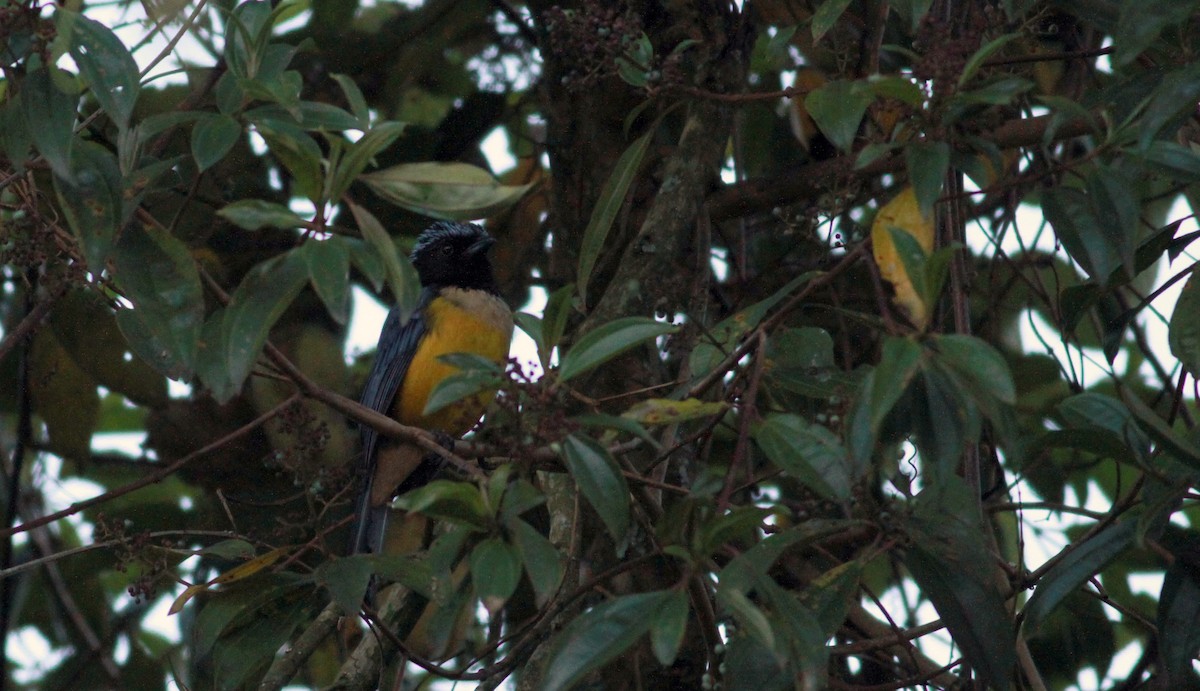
(450, 254)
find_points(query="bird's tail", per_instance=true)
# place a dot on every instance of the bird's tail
(370, 524)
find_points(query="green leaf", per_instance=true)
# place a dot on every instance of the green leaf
(91, 197)
(495, 572)
(412, 572)
(724, 337)
(1184, 336)
(1111, 194)
(980, 56)
(354, 97)
(600, 481)
(978, 365)
(1077, 227)
(104, 62)
(401, 276)
(973, 613)
(457, 502)
(826, 16)
(231, 550)
(599, 635)
(230, 607)
(668, 626)
(607, 341)
(458, 386)
(554, 321)
(328, 263)
(897, 87)
(360, 154)
(50, 118)
(955, 571)
(252, 214)
(810, 453)
(1182, 448)
(15, 136)
(542, 561)
(346, 579)
(740, 523)
(257, 303)
(213, 137)
(1141, 23)
(1175, 95)
(246, 651)
(452, 191)
(747, 571)
(157, 274)
(1173, 159)
(838, 108)
(1093, 412)
(608, 205)
(308, 115)
(1081, 563)
(1178, 612)
(298, 152)
(927, 163)
(898, 364)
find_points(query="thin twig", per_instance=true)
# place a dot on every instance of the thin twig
(154, 477)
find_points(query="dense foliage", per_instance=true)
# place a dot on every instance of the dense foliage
(860, 365)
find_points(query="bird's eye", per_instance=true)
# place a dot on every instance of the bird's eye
(447, 250)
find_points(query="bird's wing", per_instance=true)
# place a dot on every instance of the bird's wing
(398, 342)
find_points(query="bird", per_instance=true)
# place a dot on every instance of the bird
(459, 311)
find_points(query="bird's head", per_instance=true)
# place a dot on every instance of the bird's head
(450, 254)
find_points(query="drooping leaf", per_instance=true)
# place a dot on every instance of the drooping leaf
(91, 197)
(105, 63)
(600, 480)
(1178, 610)
(257, 303)
(927, 163)
(902, 215)
(669, 626)
(50, 118)
(542, 562)
(158, 275)
(401, 276)
(328, 263)
(346, 579)
(495, 571)
(838, 108)
(826, 16)
(955, 571)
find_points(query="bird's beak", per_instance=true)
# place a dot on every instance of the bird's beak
(481, 246)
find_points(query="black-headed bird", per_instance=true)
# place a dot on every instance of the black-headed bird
(459, 311)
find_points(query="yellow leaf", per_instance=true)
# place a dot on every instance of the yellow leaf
(237, 573)
(902, 213)
(663, 411)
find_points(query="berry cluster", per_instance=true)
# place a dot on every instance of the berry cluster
(589, 39)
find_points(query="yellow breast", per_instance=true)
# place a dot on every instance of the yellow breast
(457, 322)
